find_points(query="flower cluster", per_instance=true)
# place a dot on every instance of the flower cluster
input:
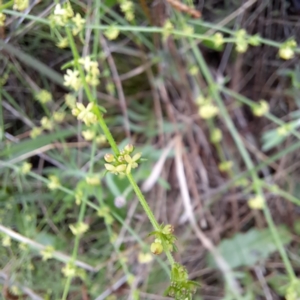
(260, 109)
(104, 212)
(167, 29)
(180, 288)
(218, 39)
(242, 40)
(225, 165)
(43, 96)
(54, 182)
(127, 8)
(70, 270)
(293, 290)
(72, 79)
(287, 49)
(6, 241)
(257, 202)
(284, 130)
(21, 4)
(47, 253)
(2, 19)
(79, 228)
(47, 124)
(61, 14)
(25, 168)
(163, 238)
(122, 163)
(85, 114)
(93, 180)
(207, 108)
(92, 70)
(112, 32)
(216, 136)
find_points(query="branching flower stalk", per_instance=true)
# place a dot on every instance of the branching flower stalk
(121, 162)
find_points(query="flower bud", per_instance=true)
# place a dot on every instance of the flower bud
(168, 229)
(129, 148)
(156, 248)
(109, 157)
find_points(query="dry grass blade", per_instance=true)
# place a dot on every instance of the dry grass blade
(222, 264)
(158, 167)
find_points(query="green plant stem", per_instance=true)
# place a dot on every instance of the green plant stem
(223, 111)
(80, 220)
(149, 213)
(112, 142)
(143, 202)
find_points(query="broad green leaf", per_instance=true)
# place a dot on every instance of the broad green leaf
(246, 249)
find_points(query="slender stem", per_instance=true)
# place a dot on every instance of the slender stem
(79, 221)
(149, 213)
(143, 202)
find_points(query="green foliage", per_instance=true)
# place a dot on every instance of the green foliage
(247, 249)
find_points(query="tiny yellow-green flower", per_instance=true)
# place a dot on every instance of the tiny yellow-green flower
(260, 109)
(62, 43)
(25, 168)
(88, 134)
(2, 19)
(129, 148)
(216, 135)
(156, 248)
(70, 100)
(115, 169)
(85, 114)
(47, 253)
(168, 229)
(54, 182)
(287, 49)
(208, 111)
(59, 116)
(225, 165)
(256, 202)
(167, 29)
(112, 32)
(108, 157)
(69, 270)
(35, 132)
(101, 139)
(218, 39)
(43, 96)
(93, 180)
(144, 258)
(72, 79)
(79, 22)
(6, 241)
(284, 130)
(46, 123)
(131, 161)
(21, 4)
(79, 228)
